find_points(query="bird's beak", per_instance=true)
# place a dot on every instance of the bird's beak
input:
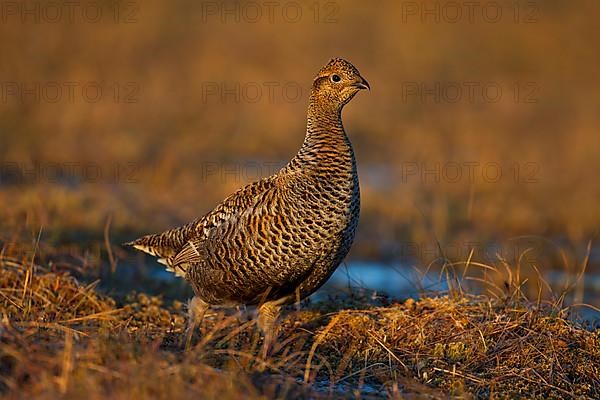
(362, 84)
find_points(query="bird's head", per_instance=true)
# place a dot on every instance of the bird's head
(338, 82)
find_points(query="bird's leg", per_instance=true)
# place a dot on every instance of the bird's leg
(196, 310)
(267, 315)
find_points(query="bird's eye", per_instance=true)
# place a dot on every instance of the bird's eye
(335, 78)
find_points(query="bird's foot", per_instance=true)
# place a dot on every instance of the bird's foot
(267, 315)
(196, 310)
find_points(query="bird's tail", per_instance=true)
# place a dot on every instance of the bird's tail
(164, 246)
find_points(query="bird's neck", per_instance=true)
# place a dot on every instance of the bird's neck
(325, 135)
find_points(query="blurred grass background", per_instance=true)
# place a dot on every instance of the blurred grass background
(173, 132)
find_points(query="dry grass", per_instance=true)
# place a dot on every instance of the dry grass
(60, 337)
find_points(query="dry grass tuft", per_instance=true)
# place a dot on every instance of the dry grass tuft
(473, 345)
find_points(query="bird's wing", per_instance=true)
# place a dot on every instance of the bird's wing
(223, 221)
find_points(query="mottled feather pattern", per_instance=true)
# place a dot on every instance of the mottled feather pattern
(281, 237)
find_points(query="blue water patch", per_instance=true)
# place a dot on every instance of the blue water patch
(399, 281)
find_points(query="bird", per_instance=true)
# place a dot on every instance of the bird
(276, 240)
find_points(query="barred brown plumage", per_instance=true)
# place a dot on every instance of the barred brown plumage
(282, 237)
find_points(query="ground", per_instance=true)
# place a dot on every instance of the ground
(62, 338)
